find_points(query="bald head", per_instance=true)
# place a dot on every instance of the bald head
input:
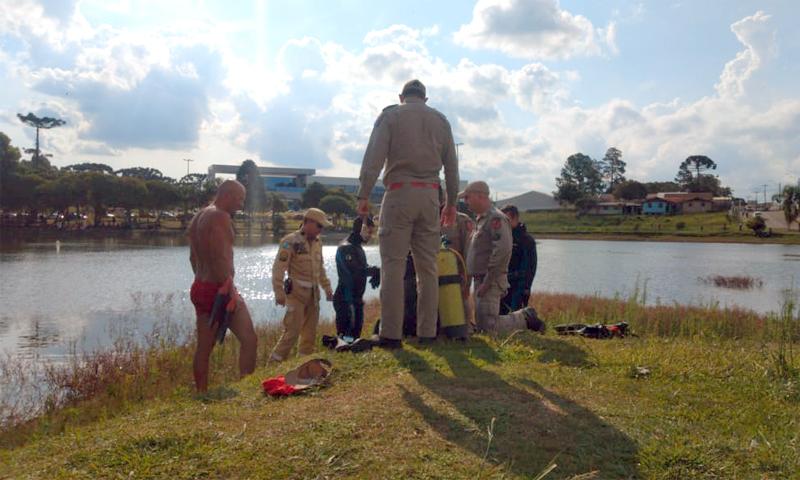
(230, 196)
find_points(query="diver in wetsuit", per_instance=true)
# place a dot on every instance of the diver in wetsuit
(351, 265)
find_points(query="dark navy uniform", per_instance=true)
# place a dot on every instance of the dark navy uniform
(521, 270)
(348, 299)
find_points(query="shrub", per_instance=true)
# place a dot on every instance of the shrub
(756, 224)
(278, 225)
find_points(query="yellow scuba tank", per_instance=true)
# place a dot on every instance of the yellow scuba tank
(452, 317)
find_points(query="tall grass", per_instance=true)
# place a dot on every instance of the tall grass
(40, 394)
(785, 364)
(38, 398)
(658, 320)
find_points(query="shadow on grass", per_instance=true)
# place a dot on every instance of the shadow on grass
(556, 351)
(532, 427)
(216, 394)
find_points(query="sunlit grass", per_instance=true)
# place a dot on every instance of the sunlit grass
(720, 401)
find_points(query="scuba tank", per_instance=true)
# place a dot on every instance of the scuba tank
(452, 279)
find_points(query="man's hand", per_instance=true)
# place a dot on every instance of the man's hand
(329, 295)
(481, 291)
(448, 216)
(280, 300)
(363, 207)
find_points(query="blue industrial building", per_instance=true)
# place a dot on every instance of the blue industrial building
(292, 182)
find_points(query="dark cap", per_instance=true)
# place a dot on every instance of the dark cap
(413, 87)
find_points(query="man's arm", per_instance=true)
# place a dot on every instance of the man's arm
(190, 232)
(450, 163)
(345, 278)
(221, 242)
(532, 259)
(279, 268)
(324, 280)
(502, 244)
(374, 157)
(466, 234)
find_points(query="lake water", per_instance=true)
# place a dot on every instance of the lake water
(54, 294)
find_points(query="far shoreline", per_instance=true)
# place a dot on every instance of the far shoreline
(638, 237)
(23, 234)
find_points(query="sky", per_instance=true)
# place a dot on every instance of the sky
(524, 83)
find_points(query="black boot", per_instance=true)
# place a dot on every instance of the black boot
(533, 321)
(388, 343)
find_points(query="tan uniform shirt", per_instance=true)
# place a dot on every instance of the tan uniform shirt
(459, 234)
(303, 261)
(413, 141)
(490, 247)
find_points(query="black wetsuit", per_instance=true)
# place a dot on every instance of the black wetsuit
(348, 299)
(521, 270)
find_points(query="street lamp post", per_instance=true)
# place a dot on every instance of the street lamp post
(188, 161)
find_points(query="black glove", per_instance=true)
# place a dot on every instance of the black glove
(374, 276)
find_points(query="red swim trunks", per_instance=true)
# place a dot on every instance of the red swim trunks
(202, 295)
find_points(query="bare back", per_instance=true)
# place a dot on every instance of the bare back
(211, 245)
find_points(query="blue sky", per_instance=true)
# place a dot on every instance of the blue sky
(524, 83)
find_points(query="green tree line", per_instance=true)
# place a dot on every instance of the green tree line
(33, 187)
(583, 178)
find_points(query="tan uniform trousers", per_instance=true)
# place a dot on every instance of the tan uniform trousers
(487, 313)
(302, 316)
(409, 219)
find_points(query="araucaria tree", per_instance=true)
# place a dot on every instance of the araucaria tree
(691, 170)
(39, 123)
(613, 168)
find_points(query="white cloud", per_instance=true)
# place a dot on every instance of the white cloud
(146, 89)
(533, 29)
(155, 96)
(759, 41)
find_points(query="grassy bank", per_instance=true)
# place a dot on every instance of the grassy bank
(699, 227)
(721, 400)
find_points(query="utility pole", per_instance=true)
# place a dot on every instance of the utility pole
(765, 195)
(458, 157)
(188, 161)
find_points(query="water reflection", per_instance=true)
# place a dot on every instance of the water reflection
(90, 287)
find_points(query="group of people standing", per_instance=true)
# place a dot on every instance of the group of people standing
(411, 143)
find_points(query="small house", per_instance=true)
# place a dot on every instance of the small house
(632, 208)
(659, 206)
(606, 208)
(696, 205)
(722, 204)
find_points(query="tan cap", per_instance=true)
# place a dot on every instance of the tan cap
(413, 87)
(475, 187)
(313, 372)
(318, 216)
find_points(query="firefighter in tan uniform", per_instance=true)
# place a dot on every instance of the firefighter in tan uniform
(487, 264)
(300, 254)
(413, 142)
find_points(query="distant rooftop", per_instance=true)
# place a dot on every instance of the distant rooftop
(532, 200)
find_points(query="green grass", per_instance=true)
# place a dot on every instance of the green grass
(691, 227)
(713, 406)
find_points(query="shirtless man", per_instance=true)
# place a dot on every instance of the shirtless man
(211, 254)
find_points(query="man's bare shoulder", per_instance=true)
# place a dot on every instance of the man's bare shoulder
(210, 218)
